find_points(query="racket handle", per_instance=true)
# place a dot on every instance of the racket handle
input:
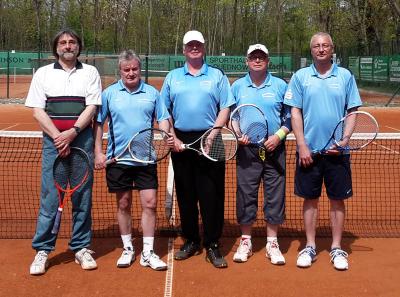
(109, 161)
(57, 221)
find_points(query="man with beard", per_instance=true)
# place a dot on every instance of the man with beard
(64, 97)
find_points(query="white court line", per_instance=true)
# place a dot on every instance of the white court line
(9, 127)
(386, 148)
(171, 240)
(395, 129)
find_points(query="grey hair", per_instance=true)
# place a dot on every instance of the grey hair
(322, 34)
(128, 55)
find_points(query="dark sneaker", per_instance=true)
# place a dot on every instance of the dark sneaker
(214, 257)
(188, 249)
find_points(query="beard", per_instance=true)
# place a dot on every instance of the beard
(67, 55)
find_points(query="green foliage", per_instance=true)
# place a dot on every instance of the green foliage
(363, 27)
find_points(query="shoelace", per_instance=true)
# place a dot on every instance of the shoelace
(338, 253)
(244, 246)
(41, 257)
(309, 251)
(274, 248)
(127, 252)
(87, 255)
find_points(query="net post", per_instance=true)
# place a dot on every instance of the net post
(391, 98)
(146, 73)
(8, 74)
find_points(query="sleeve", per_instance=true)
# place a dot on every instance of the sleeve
(93, 91)
(352, 94)
(285, 111)
(165, 96)
(225, 93)
(161, 109)
(103, 109)
(235, 94)
(36, 95)
(294, 94)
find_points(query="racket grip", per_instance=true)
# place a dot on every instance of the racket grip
(168, 212)
(57, 221)
(109, 161)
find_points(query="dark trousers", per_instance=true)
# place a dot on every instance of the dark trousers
(199, 182)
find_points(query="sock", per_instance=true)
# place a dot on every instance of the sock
(148, 243)
(127, 241)
(271, 239)
(246, 237)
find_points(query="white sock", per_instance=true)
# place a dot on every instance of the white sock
(271, 239)
(127, 241)
(148, 243)
(246, 237)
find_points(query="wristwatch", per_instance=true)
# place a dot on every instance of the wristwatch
(77, 129)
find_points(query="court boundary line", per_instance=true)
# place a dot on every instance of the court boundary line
(171, 240)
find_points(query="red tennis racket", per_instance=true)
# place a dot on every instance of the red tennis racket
(69, 174)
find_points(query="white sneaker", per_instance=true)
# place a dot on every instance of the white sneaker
(243, 252)
(306, 257)
(339, 259)
(153, 261)
(274, 253)
(40, 263)
(85, 259)
(127, 258)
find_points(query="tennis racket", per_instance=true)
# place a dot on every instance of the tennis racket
(69, 174)
(249, 120)
(147, 146)
(353, 132)
(216, 144)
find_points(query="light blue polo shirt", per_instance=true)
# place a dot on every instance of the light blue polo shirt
(128, 113)
(268, 97)
(195, 100)
(324, 101)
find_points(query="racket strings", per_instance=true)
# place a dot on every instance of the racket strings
(219, 144)
(356, 131)
(146, 147)
(251, 122)
(71, 170)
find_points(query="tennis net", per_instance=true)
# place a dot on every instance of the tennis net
(373, 211)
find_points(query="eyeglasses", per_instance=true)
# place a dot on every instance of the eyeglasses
(324, 46)
(65, 42)
(254, 58)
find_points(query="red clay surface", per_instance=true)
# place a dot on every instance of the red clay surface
(373, 272)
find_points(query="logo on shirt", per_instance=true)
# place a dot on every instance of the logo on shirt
(268, 95)
(145, 100)
(178, 83)
(205, 83)
(334, 86)
(289, 94)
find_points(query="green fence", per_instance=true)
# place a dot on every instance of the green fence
(376, 68)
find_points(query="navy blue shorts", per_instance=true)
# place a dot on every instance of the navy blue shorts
(333, 171)
(121, 178)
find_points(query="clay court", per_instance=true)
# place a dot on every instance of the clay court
(373, 260)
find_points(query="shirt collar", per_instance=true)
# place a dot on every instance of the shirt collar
(78, 65)
(203, 70)
(140, 89)
(266, 83)
(334, 70)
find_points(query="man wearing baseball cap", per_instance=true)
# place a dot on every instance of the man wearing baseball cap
(254, 165)
(199, 98)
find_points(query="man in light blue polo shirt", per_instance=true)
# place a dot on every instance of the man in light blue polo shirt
(130, 105)
(198, 97)
(265, 91)
(320, 95)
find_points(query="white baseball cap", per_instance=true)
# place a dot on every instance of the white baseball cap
(193, 35)
(257, 46)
